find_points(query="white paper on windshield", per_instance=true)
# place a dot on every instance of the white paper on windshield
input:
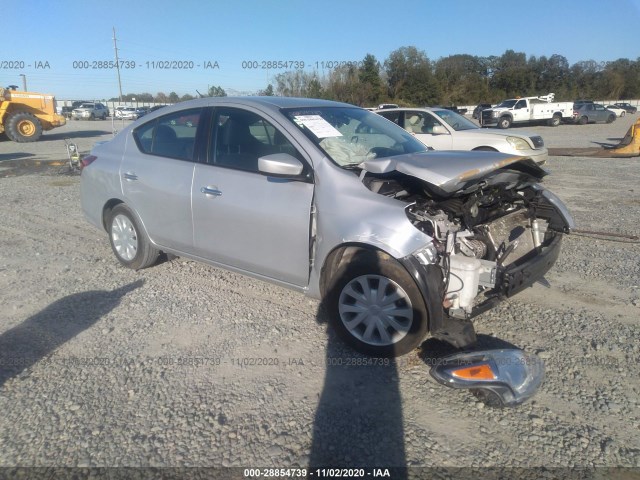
(318, 126)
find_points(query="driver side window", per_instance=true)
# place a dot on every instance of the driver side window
(420, 122)
(241, 137)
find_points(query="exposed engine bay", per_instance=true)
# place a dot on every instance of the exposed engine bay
(489, 227)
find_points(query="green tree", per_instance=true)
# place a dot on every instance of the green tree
(370, 81)
(215, 91)
(267, 92)
(410, 77)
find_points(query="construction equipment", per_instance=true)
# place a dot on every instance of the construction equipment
(628, 147)
(25, 115)
(630, 144)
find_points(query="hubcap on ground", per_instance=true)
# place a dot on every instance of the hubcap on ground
(375, 310)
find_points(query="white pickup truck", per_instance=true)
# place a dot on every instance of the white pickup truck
(526, 110)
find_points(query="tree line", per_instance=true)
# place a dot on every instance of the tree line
(408, 77)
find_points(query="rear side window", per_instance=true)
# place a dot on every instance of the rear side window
(172, 135)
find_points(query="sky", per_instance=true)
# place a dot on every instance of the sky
(61, 46)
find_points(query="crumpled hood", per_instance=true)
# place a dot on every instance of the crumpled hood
(451, 171)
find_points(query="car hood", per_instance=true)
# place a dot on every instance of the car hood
(452, 171)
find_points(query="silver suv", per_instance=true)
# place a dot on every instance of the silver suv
(90, 111)
(333, 201)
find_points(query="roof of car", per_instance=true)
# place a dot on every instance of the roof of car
(269, 102)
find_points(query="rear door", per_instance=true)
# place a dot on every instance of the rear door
(156, 175)
(242, 218)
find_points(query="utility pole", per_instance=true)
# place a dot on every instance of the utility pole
(115, 47)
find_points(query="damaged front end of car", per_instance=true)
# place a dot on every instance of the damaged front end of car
(494, 230)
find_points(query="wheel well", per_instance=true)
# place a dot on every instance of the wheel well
(106, 211)
(484, 148)
(341, 255)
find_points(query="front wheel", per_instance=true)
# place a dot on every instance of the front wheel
(128, 241)
(504, 122)
(611, 118)
(376, 307)
(23, 127)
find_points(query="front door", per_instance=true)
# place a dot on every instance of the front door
(242, 218)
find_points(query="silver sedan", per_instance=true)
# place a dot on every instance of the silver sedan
(333, 201)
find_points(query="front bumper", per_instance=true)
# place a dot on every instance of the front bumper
(516, 278)
(510, 281)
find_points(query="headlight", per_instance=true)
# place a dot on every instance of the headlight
(495, 114)
(518, 143)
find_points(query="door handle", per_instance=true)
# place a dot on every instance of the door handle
(130, 176)
(213, 191)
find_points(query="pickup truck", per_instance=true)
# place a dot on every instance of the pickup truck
(528, 110)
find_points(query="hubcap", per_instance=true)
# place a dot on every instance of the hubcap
(375, 310)
(26, 128)
(124, 237)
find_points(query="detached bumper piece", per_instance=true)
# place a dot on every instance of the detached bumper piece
(500, 378)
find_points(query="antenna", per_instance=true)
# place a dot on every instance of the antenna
(115, 47)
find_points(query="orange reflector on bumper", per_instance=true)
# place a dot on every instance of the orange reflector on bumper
(477, 372)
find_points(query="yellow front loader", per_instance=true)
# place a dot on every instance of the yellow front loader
(25, 115)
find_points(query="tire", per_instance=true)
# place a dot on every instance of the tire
(23, 127)
(128, 241)
(624, 112)
(583, 120)
(611, 118)
(92, 117)
(357, 312)
(555, 121)
(504, 122)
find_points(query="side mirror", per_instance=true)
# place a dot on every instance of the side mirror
(280, 165)
(439, 130)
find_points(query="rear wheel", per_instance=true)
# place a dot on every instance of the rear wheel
(23, 127)
(376, 307)
(611, 118)
(583, 120)
(128, 241)
(555, 121)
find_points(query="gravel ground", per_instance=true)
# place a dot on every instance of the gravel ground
(185, 365)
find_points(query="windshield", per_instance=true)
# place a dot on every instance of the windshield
(351, 135)
(86, 105)
(455, 120)
(507, 103)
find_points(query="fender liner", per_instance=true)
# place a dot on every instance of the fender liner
(457, 332)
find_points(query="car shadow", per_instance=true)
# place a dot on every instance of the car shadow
(359, 421)
(29, 342)
(73, 134)
(15, 156)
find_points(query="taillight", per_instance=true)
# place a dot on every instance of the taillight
(88, 160)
